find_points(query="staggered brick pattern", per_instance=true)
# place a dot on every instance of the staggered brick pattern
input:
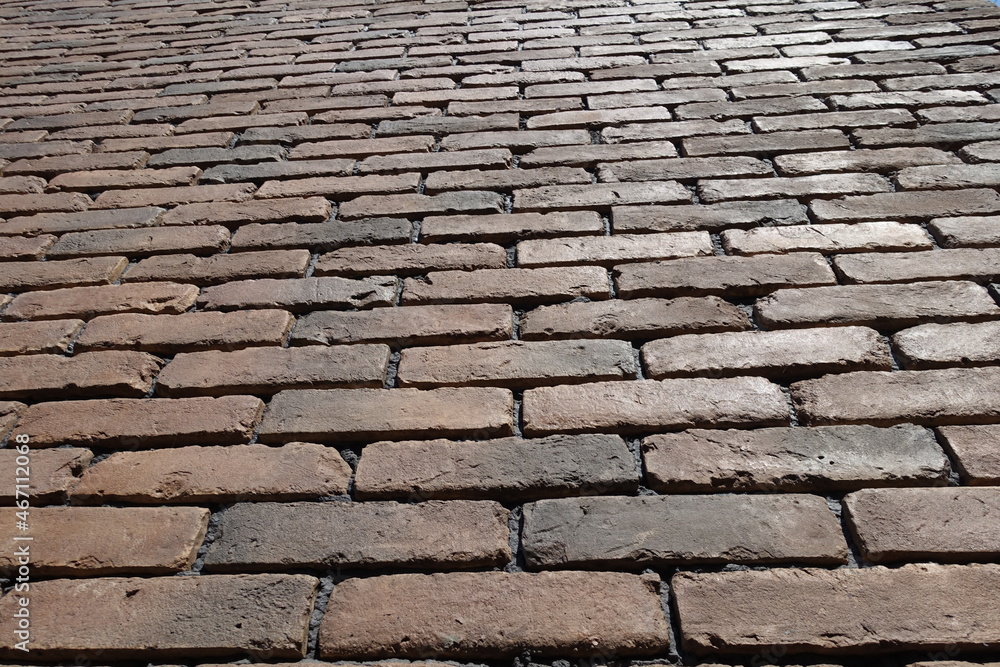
(519, 333)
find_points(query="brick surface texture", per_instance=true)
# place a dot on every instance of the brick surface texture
(500, 333)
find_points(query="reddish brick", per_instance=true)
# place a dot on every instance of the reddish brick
(140, 242)
(520, 285)
(339, 188)
(515, 140)
(312, 209)
(53, 472)
(221, 268)
(300, 294)
(208, 156)
(85, 302)
(509, 227)
(411, 258)
(21, 185)
(470, 201)
(69, 222)
(493, 157)
(169, 539)
(126, 423)
(975, 452)
(51, 166)
(215, 474)
(59, 121)
(154, 144)
(23, 276)
(18, 338)
(141, 178)
(50, 376)
(235, 192)
(361, 147)
(234, 173)
(11, 205)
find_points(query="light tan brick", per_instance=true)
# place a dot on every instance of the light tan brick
(828, 238)
(53, 471)
(42, 376)
(520, 285)
(612, 249)
(171, 298)
(32, 337)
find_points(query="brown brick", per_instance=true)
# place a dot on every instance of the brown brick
(168, 616)
(823, 458)
(312, 209)
(519, 141)
(359, 148)
(610, 250)
(828, 238)
(52, 166)
(301, 294)
(24, 276)
(674, 130)
(758, 144)
(481, 615)
(129, 423)
(442, 125)
(587, 155)
(30, 150)
(140, 242)
(960, 264)
(339, 188)
(50, 376)
(878, 306)
(436, 534)
(498, 158)
(12, 205)
(19, 338)
(946, 396)
(234, 173)
(470, 201)
(56, 223)
(21, 185)
(738, 276)
(372, 414)
(411, 258)
(508, 469)
(413, 325)
(322, 235)
(598, 117)
(86, 302)
(683, 168)
(644, 405)
(9, 413)
(600, 195)
(509, 227)
(188, 332)
(966, 231)
(59, 121)
(793, 353)
(25, 247)
(506, 180)
(943, 524)
(294, 471)
(520, 285)
(221, 268)
(235, 192)
(658, 531)
(975, 452)
(710, 216)
(632, 318)
(138, 178)
(154, 144)
(53, 472)
(201, 157)
(169, 539)
(805, 186)
(744, 108)
(924, 606)
(238, 123)
(267, 370)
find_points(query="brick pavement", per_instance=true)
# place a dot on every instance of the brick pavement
(519, 333)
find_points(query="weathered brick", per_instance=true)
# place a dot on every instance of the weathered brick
(710, 216)
(25, 247)
(41, 376)
(470, 201)
(510, 227)
(138, 178)
(153, 144)
(233, 173)
(520, 285)
(907, 205)
(966, 231)
(658, 531)
(267, 370)
(878, 306)
(932, 133)
(829, 238)
(822, 458)
(23, 276)
(738, 276)
(841, 119)
(21, 185)
(600, 195)
(201, 157)
(59, 121)
(322, 235)
(235, 192)
(508, 468)
(168, 616)
(935, 345)
(85, 302)
(761, 144)
(53, 472)
(411, 258)
(338, 188)
(493, 157)
(129, 423)
(515, 140)
(588, 155)
(674, 130)
(642, 405)
(744, 108)
(188, 332)
(943, 524)
(804, 186)
(11, 205)
(170, 538)
(300, 294)
(612, 249)
(435, 534)
(683, 168)
(69, 222)
(986, 151)
(975, 452)
(359, 148)
(959, 263)
(311, 209)
(506, 180)
(294, 471)
(141, 242)
(924, 606)
(372, 414)
(469, 608)
(887, 159)
(440, 125)
(947, 396)
(18, 338)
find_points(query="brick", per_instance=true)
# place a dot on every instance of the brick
(153, 144)
(295, 471)
(683, 168)
(762, 144)
(966, 231)
(50, 376)
(841, 119)
(208, 156)
(986, 151)
(411, 258)
(828, 238)
(794, 353)
(612, 249)
(469, 608)
(221, 268)
(974, 450)
(515, 140)
(53, 472)
(885, 398)
(907, 205)
(373, 414)
(21, 185)
(411, 325)
(519, 285)
(588, 155)
(60, 121)
(339, 188)
(936, 345)
(711, 216)
(817, 459)
(234, 192)
(943, 524)
(643, 405)
(322, 235)
(495, 157)
(589, 88)
(823, 88)
(417, 204)
(100, 179)
(11, 205)
(18, 338)
(52, 166)
(510, 179)
(540, 105)
(675, 130)
(598, 117)
(267, 370)
(657, 98)
(32, 150)
(877, 306)
(170, 538)
(879, 71)
(887, 159)
(69, 222)
(140, 242)
(804, 186)
(600, 195)
(234, 173)
(86, 302)
(441, 125)
(960, 263)
(658, 531)
(128, 423)
(311, 209)
(738, 276)
(508, 468)
(435, 534)
(949, 176)
(925, 606)
(744, 108)
(238, 123)
(510, 227)
(933, 133)
(208, 616)
(165, 334)
(360, 148)
(23, 276)
(300, 294)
